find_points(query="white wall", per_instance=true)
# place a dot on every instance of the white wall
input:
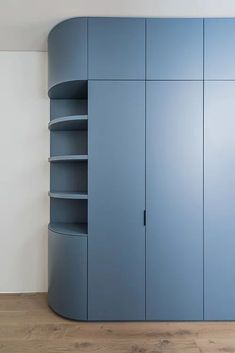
(24, 171)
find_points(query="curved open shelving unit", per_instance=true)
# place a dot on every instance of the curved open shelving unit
(69, 123)
(69, 228)
(69, 195)
(69, 158)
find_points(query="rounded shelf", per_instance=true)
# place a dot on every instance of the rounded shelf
(68, 195)
(75, 229)
(68, 123)
(69, 158)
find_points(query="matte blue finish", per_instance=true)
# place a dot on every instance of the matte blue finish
(69, 90)
(68, 210)
(116, 48)
(67, 253)
(69, 123)
(219, 49)
(67, 269)
(112, 52)
(62, 108)
(174, 49)
(69, 158)
(69, 177)
(68, 195)
(67, 52)
(116, 184)
(219, 200)
(72, 143)
(174, 189)
(69, 228)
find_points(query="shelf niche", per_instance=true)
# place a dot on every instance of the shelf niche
(69, 176)
(67, 213)
(68, 158)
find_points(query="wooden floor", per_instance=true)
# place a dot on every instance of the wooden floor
(27, 325)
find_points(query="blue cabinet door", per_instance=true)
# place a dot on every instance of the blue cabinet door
(116, 48)
(67, 52)
(219, 200)
(219, 49)
(174, 49)
(67, 275)
(174, 198)
(116, 188)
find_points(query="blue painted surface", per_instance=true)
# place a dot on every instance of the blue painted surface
(73, 229)
(68, 143)
(67, 275)
(68, 210)
(116, 48)
(67, 52)
(174, 49)
(69, 89)
(219, 200)
(219, 49)
(62, 108)
(174, 189)
(69, 123)
(116, 184)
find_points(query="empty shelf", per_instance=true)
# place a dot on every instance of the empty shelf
(69, 195)
(69, 228)
(73, 122)
(69, 158)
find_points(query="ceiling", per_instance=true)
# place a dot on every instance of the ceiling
(24, 24)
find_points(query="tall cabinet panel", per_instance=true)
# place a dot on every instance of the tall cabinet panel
(174, 196)
(116, 242)
(219, 200)
(219, 49)
(116, 48)
(174, 49)
(67, 275)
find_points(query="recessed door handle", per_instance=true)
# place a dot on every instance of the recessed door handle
(144, 217)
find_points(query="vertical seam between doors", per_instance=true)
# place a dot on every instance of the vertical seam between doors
(145, 162)
(203, 169)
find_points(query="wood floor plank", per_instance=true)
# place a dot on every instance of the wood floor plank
(216, 345)
(99, 345)
(27, 325)
(23, 301)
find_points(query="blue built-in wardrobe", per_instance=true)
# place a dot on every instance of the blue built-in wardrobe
(142, 169)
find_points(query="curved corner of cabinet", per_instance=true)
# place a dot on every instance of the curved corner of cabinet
(67, 55)
(67, 275)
